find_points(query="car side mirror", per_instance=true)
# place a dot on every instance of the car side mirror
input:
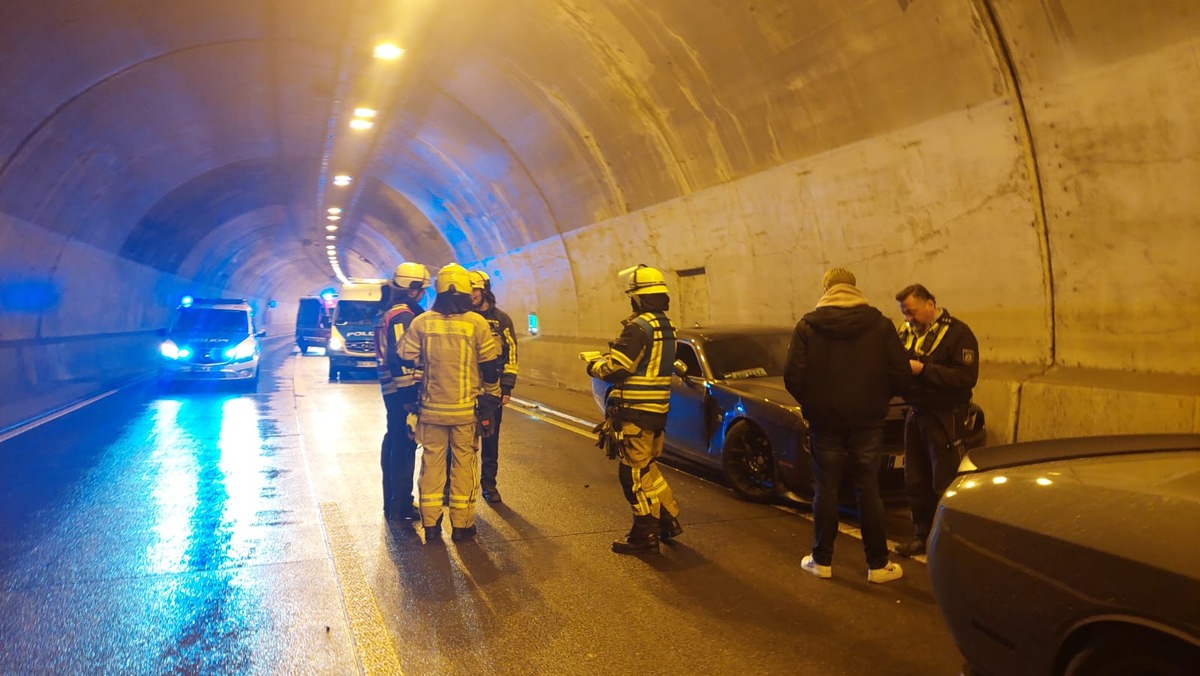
(681, 370)
(261, 334)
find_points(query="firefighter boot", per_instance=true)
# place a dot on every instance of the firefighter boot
(641, 539)
(668, 526)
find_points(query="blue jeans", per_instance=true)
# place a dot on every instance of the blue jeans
(856, 450)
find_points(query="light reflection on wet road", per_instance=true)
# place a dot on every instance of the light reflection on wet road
(212, 531)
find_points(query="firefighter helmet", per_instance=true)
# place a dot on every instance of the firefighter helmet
(411, 276)
(480, 280)
(644, 280)
(453, 278)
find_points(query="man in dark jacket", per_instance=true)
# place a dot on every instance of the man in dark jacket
(844, 364)
(944, 357)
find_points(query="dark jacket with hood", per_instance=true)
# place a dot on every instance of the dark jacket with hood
(845, 362)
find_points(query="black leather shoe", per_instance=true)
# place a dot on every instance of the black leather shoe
(913, 547)
(459, 534)
(637, 545)
(491, 495)
(669, 526)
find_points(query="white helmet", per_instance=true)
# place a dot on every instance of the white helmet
(644, 280)
(411, 276)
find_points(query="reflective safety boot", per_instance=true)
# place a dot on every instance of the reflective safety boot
(669, 526)
(641, 539)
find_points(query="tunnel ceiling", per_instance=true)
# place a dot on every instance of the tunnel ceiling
(152, 128)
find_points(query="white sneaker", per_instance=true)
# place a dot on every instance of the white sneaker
(810, 564)
(890, 572)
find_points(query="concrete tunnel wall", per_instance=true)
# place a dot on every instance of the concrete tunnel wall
(1033, 162)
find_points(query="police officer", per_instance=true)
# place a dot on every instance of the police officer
(944, 358)
(639, 366)
(484, 302)
(460, 391)
(399, 303)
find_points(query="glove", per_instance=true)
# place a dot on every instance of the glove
(486, 406)
(410, 422)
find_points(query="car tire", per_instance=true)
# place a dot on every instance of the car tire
(333, 372)
(1133, 651)
(749, 463)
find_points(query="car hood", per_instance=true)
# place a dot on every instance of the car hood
(207, 340)
(769, 388)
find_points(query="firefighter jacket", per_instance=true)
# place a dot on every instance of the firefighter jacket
(506, 336)
(950, 353)
(459, 360)
(389, 327)
(639, 366)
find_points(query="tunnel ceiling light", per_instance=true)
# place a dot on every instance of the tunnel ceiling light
(365, 112)
(333, 218)
(358, 123)
(342, 180)
(330, 236)
(331, 227)
(334, 210)
(388, 51)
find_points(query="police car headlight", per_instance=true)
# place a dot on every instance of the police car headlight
(336, 343)
(169, 349)
(243, 350)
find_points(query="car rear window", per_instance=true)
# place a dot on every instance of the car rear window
(750, 356)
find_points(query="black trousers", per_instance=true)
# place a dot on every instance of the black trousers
(933, 448)
(397, 457)
(489, 455)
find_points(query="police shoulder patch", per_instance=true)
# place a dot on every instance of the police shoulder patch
(968, 356)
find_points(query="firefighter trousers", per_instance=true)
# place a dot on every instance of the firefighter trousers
(644, 485)
(452, 445)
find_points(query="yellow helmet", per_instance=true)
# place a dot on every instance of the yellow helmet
(411, 275)
(453, 278)
(480, 280)
(644, 280)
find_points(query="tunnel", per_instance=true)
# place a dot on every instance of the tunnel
(1035, 163)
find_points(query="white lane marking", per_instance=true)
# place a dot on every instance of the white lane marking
(536, 408)
(55, 415)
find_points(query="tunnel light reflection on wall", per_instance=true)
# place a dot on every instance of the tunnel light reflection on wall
(388, 51)
(533, 324)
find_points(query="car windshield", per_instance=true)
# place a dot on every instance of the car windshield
(199, 319)
(756, 355)
(356, 312)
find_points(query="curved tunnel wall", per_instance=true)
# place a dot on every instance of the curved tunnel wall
(1033, 162)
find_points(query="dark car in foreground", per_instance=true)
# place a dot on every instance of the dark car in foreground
(730, 411)
(1073, 556)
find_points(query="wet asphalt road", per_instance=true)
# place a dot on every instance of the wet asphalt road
(205, 530)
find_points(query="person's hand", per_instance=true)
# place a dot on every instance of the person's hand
(916, 366)
(504, 399)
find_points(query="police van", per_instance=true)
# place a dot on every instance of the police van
(211, 339)
(352, 337)
(313, 318)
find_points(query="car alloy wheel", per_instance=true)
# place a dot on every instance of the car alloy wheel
(749, 463)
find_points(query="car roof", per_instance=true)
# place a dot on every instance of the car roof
(1032, 452)
(720, 331)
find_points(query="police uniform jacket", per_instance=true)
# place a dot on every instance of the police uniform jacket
(950, 353)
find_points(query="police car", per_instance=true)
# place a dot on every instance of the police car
(211, 339)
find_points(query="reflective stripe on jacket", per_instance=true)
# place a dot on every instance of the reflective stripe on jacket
(449, 349)
(648, 386)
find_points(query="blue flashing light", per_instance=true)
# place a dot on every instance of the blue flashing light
(187, 301)
(271, 303)
(328, 294)
(533, 324)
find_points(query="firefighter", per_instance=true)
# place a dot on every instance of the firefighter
(638, 366)
(460, 392)
(501, 324)
(944, 358)
(400, 302)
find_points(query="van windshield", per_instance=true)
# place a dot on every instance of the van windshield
(356, 312)
(199, 319)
